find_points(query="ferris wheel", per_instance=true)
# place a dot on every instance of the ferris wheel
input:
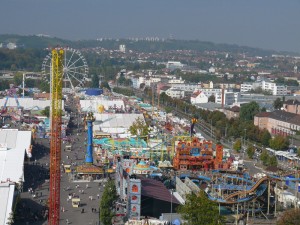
(75, 68)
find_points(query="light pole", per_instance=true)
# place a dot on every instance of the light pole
(171, 204)
(245, 136)
(211, 128)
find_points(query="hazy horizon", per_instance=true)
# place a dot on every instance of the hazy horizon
(268, 24)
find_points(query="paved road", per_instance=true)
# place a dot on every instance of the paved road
(31, 210)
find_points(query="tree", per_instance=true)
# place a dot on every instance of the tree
(30, 83)
(265, 137)
(212, 98)
(249, 110)
(272, 161)
(278, 103)
(95, 81)
(18, 78)
(104, 84)
(250, 151)
(264, 157)
(139, 128)
(199, 210)
(44, 86)
(108, 199)
(289, 217)
(279, 142)
(121, 80)
(46, 111)
(237, 145)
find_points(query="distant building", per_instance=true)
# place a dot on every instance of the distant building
(176, 81)
(198, 97)
(175, 93)
(278, 122)
(11, 45)
(233, 112)
(173, 65)
(186, 87)
(122, 48)
(265, 85)
(292, 106)
(225, 98)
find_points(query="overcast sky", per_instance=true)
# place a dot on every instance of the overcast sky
(269, 24)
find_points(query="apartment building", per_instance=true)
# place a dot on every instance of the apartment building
(266, 85)
(292, 106)
(278, 122)
(175, 93)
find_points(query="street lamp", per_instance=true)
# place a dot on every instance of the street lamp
(245, 136)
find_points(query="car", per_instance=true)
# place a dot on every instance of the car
(6, 126)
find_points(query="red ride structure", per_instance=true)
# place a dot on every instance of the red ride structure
(55, 142)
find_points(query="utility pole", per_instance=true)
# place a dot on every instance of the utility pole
(211, 129)
(269, 187)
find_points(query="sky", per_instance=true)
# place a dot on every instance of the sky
(267, 24)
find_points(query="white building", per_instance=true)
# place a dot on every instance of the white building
(93, 104)
(26, 103)
(122, 48)
(186, 87)
(198, 97)
(265, 85)
(211, 70)
(14, 145)
(202, 96)
(115, 124)
(172, 65)
(229, 98)
(176, 81)
(175, 93)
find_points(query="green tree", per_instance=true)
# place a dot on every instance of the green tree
(249, 110)
(278, 103)
(44, 86)
(279, 142)
(4, 84)
(264, 157)
(139, 128)
(95, 81)
(272, 161)
(46, 111)
(104, 84)
(212, 98)
(108, 199)
(18, 78)
(250, 151)
(199, 210)
(265, 137)
(237, 145)
(30, 83)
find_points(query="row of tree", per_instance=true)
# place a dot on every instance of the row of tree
(123, 91)
(242, 127)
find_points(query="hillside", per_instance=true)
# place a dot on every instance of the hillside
(36, 42)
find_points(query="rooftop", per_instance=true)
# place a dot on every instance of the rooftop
(156, 189)
(13, 145)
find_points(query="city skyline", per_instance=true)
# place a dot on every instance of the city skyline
(269, 24)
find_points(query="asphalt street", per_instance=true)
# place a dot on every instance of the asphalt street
(31, 208)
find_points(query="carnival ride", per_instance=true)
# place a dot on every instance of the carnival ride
(57, 66)
(194, 154)
(75, 68)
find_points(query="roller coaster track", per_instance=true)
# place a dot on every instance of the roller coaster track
(254, 187)
(254, 191)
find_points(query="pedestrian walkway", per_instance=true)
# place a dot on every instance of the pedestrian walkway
(32, 208)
